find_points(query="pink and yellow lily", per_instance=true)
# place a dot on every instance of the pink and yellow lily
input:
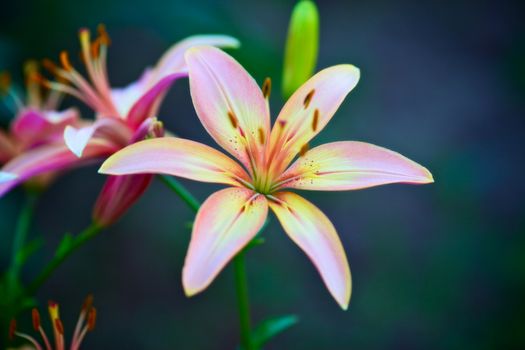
(235, 112)
(35, 133)
(123, 115)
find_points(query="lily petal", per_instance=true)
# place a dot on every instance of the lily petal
(351, 165)
(313, 232)
(32, 127)
(308, 111)
(111, 129)
(6, 177)
(173, 59)
(226, 222)
(178, 157)
(147, 106)
(229, 103)
(52, 157)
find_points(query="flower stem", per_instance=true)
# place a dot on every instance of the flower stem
(181, 191)
(243, 303)
(22, 229)
(62, 254)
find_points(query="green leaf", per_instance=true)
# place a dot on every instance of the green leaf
(272, 327)
(302, 45)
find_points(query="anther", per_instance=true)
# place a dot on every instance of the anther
(267, 87)
(92, 319)
(64, 59)
(5, 82)
(261, 136)
(308, 98)
(36, 319)
(233, 119)
(88, 303)
(103, 34)
(282, 123)
(59, 326)
(315, 120)
(49, 65)
(304, 149)
(12, 329)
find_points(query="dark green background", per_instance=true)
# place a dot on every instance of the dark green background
(434, 267)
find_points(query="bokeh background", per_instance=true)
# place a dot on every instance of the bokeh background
(434, 267)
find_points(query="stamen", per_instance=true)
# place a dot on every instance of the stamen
(12, 329)
(88, 303)
(5, 82)
(282, 123)
(308, 98)
(92, 319)
(267, 87)
(233, 119)
(95, 48)
(315, 121)
(304, 149)
(59, 326)
(261, 136)
(104, 37)
(50, 66)
(36, 319)
(64, 59)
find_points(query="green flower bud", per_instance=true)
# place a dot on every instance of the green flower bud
(301, 46)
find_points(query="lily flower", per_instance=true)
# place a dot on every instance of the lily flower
(35, 133)
(86, 323)
(123, 115)
(235, 112)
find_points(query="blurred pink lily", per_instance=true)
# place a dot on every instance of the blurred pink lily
(33, 147)
(235, 113)
(123, 115)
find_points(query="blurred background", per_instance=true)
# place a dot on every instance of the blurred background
(440, 266)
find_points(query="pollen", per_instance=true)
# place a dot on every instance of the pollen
(315, 120)
(233, 119)
(36, 319)
(304, 149)
(267, 87)
(308, 98)
(261, 136)
(64, 59)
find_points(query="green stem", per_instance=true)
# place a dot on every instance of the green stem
(62, 254)
(243, 303)
(181, 191)
(22, 229)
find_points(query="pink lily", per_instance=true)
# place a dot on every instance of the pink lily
(123, 115)
(35, 133)
(86, 323)
(235, 113)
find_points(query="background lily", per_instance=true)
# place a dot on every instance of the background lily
(86, 323)
(123, 115)
(235, 112)
(35, 133)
